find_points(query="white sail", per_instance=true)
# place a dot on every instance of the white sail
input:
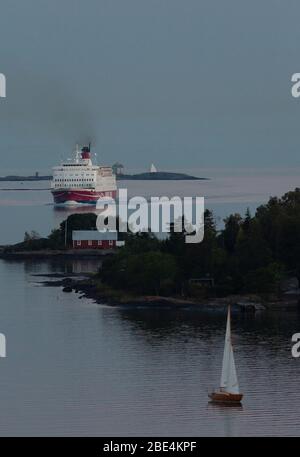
(153, 168)
(229, 381)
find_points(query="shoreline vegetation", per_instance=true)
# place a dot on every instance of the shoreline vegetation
(24, 178)
(92, 288)
(253, 262)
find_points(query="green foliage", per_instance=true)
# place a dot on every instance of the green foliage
(148, 272)
(250, 254)
(32, 242)
(231, 231)
(264, 279)
(33, 235)
(85, 221)
(141, 242)
(57, 238)
(280, 223)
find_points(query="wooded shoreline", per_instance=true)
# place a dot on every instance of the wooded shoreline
(91, 288)
(255, 255)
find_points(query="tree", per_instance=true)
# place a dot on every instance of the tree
(264, 279)
(33, 235)
(230, 232)
(144, 273)
(252, 251)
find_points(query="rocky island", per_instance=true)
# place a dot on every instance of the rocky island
(252, 263)
(158, 176)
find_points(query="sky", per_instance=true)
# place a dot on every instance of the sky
(181, 83)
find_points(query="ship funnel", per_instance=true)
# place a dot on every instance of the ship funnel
(86, 152)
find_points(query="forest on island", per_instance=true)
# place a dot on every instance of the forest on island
(250, 254)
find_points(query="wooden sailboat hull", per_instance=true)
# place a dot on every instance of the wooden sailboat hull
(226, 398)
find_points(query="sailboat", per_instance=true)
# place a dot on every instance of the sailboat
(229, 392)
(153, 168)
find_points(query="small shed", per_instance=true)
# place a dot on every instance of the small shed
(207, 281)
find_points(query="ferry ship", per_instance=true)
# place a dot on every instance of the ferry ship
(78, 181)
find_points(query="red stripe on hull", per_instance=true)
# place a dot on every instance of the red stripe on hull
(81, 196)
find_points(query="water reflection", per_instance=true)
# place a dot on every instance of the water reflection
(229, 415)
(102, 370)
(57, 265)
(190, 322)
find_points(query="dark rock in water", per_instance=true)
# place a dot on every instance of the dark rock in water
(246, 307)
(290, 288)
(238, 304)
(67, 281)
(289, 284)
(249, 307)
(67, 289)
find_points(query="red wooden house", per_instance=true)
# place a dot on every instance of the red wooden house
(92, 239)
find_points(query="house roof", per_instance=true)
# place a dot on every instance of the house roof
(93, 235)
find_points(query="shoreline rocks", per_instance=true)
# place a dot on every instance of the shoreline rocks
(89, 288)
(59, 253)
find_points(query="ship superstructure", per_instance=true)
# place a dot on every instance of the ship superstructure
(79, 181)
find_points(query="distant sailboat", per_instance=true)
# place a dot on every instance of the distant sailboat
(153, 168)
(229, 392)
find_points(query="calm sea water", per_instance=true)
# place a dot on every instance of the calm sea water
(77, 368)
(28, 206)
